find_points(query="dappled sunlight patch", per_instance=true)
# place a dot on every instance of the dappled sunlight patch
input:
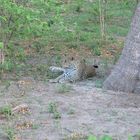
(22, 109)
(75, 136)
(24, 125)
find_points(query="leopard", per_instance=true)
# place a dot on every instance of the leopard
(73, 70)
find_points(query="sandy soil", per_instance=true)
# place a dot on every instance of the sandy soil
(84, 110)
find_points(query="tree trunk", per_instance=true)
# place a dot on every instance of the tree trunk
(126, 74)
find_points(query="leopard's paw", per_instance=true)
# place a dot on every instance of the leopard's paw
(53, 81)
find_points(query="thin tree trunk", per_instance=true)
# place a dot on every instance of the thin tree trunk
(126, 74)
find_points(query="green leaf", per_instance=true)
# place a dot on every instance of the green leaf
(28, 17)
(2, 18)
(106, 137)
(91, 137)
(19, 11)
(1, 45)
(130, 137)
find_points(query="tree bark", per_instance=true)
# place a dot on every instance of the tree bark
(126, 74)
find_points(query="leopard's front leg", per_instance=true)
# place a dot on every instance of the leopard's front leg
(56, 69)
(56, 80)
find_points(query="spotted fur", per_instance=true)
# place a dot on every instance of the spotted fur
(73, 70)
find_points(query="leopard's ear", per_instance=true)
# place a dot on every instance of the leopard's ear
(95, 66)
(84, 60)
(72, 58)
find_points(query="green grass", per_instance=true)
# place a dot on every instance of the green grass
(6, 111)
(10, 133)
(52, 108)
(63, 88)
(76, 24)
(84, 27)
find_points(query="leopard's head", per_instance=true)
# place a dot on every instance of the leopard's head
(71, 61)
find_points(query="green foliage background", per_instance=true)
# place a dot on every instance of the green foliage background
(59, 24)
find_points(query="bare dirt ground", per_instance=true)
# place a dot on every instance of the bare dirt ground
(46, 111)
(83, 108)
